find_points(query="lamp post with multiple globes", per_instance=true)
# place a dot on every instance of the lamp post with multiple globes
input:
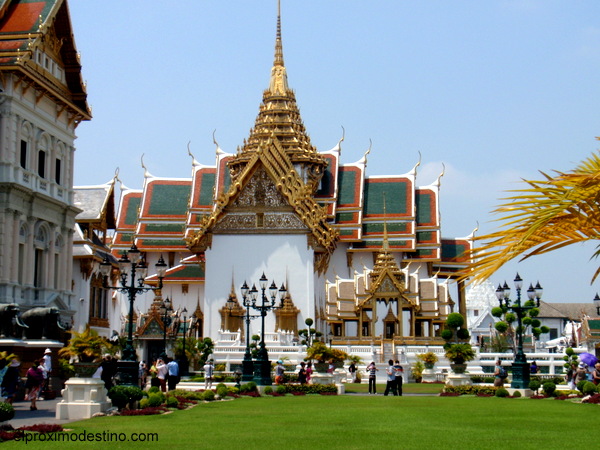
(133, 271)
(262, 367)
(520, 366)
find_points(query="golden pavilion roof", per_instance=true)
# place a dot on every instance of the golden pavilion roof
(279, 119)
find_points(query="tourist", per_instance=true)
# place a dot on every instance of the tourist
(331, 367)
(399, 373)
(391, 379)
(499, 374)
(35, 380)
(279, 371)
(11, 381)
(109, 370)
(371, 370)
(143, 374)
(173, 374)
(154, 381)
(208, 374)
(47, 363)
(596, 374)
(309, 371)
(352, 372)
(302, 374)
(534, 367)
(161, 374)
(571, 376)
(581, 373)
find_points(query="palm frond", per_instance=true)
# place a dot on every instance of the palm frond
(549, 214)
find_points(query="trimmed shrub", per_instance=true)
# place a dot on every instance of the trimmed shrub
(156, 399)
(7, 411)
(118, 398)
(222, 390)
(581, 384)
(269, 390)
(470, 390)
(501, 392)
(534, 385)
(549, 387)
(208, 396)
(153, 389)
(589, 388)
(144, 403)
(517, 394)
(172, 402)
(280, 389)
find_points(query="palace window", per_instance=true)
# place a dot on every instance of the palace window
(42, 163)
(98, 302)
(57, 167)
(23, 154)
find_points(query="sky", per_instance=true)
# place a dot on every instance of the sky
(488, 92)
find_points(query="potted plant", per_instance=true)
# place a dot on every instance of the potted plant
(429, 359)
(85, 349)
(417, 371)
(459, 354)
(324, 355)
(458, 350)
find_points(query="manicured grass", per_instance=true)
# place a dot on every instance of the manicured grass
(408, 388)
(366, 422)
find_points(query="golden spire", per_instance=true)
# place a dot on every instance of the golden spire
(279, 119)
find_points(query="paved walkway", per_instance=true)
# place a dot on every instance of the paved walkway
(45, 414)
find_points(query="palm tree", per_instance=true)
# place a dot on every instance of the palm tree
(549, 214)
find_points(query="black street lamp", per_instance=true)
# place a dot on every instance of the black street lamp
(133, 268)
(520, 366)
(165, 309)
(247, 363)
(184, 364)
(597, 303)
(262, 368)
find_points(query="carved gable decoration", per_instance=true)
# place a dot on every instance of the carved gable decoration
(260, 192)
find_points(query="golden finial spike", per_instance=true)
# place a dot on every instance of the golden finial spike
(278, 45)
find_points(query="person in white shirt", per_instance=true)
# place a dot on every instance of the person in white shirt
(208, 374)
(162, 371)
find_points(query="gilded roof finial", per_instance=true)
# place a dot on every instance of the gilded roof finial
(278, 84)
(278, 45)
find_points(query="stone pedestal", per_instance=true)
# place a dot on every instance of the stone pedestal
(82, 398)
(458, 379)
(330, 378)
(428, 376)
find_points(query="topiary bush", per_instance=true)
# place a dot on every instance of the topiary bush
(517, 394)
(222, 390)
(156, 399)
(501, 392)
(153, 389)
(7, 411)
(549, 387)
(172, 402)
(208, 396)
(280, 389)
(589, 388)
(144, 403)
(269, 390)
(122, 395)
(534, 385)
(580, 385)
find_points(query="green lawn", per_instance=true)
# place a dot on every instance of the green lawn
(353, 421)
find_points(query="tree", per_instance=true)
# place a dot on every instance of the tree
(192, 350)
(308, 335)
(205, 347)
(548, 215)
